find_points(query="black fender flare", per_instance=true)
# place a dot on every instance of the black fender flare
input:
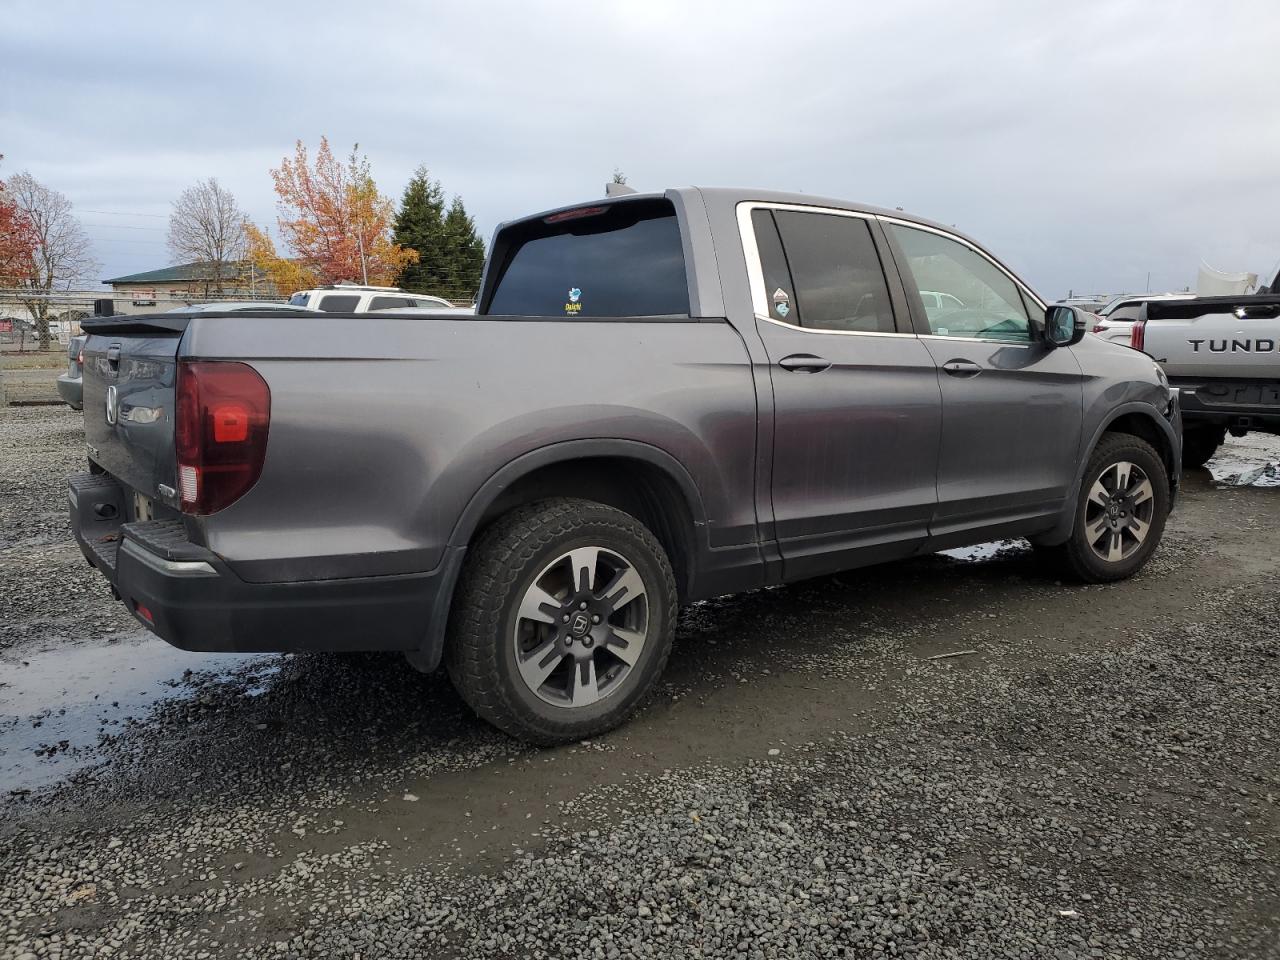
(567, 450)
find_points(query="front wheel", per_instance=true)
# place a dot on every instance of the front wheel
(1121, 511)
(563, 620)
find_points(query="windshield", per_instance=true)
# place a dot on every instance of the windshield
(298, 300)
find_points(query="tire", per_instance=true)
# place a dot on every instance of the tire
(1199, 444)
(1095, 560)
(525, 615)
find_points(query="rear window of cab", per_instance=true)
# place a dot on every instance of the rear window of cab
(621, 259)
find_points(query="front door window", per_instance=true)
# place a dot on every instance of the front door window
(964, 293)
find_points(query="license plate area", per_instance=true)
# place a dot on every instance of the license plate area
(1240, 394)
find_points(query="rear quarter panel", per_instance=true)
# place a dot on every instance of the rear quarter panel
(383, 428)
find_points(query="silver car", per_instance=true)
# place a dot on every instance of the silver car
(71, 383)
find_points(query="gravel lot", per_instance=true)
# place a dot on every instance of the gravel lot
(1098, 777)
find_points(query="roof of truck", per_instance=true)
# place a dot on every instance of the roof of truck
(734, 195)
(707, 296)
(737, 195)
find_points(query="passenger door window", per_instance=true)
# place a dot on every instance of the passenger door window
(974, 297)
(839, 282)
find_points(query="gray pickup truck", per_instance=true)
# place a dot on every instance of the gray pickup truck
(661, 398)
(1222, 354)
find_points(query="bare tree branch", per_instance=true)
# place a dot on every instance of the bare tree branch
(207, 226)
(63, 256)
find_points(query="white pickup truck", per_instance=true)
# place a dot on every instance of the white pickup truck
(1223, 356)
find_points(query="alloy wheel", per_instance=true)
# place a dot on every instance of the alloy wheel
(1119, 511)
(581, 626)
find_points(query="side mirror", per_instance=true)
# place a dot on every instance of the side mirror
(1064, 326)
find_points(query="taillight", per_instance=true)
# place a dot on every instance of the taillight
(80, 356)
(1138, 335)
(1099, 327)
(220, 432)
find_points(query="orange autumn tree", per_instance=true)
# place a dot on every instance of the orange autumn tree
(334, 222)
(286, 274)
(18, 240)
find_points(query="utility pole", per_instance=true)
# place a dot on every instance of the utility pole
(364, 268)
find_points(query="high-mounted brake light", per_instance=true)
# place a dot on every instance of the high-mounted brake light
(574, 214)
(1138, 335)
(220, 433)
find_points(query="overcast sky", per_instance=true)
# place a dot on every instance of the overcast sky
(1085, 143)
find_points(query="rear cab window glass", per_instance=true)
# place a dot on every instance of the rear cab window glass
(339, 303)
(976, 298)
(623, 259)
(839, 282)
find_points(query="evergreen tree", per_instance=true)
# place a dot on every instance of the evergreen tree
(450, 252)
(465, 252)
(420, 226)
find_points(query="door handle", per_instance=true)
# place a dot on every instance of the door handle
(962, 368)
(804, 363)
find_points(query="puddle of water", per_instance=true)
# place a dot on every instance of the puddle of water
(986, 551)
(54, 704)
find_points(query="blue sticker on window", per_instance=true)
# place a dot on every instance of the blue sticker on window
(573, 306)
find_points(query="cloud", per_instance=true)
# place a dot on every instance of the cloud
(1086, 144)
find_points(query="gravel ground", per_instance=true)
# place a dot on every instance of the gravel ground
(1098, 777)
(45, 586)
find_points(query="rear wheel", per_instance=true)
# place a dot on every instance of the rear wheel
(1121, 512)
(563, 621)
(1200, 443)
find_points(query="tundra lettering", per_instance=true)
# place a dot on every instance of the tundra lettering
(1220, 353)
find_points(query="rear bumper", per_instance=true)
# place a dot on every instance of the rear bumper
(189, 597)
(1247, 404)
(71, 390)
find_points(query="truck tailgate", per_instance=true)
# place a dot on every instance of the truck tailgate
(1220, 337)
(129, 404)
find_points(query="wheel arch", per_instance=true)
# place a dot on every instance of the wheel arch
(638, 478)
(1137, 419)
(1144, 422)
